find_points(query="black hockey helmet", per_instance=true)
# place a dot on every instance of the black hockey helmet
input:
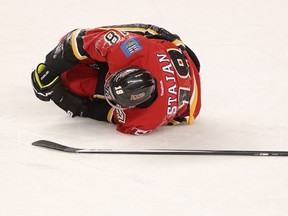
(129, 87)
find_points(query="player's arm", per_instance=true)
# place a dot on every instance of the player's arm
(65, 55)
(46, 77)
(72, 104)
(74, 47)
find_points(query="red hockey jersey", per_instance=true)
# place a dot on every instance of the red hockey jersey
(177, 77)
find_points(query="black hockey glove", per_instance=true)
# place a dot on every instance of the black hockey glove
(43, 82)
(72, 104)
(46, 87)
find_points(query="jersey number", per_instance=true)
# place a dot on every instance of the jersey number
(112, 37)
(182, 70)
(179, 62)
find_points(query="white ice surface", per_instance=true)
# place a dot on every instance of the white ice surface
(242, 46)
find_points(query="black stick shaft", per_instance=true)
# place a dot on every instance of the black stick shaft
(59, 147)
(183, 152)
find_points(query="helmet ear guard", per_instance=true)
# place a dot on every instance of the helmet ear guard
(129, 87)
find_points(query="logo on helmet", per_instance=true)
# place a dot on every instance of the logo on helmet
(137, 97)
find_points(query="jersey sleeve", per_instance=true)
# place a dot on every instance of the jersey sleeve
(79, 45)
(64, 56)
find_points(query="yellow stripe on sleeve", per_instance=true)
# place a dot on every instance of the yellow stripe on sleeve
(110, 115)
(174, 122)
(193, 102)
(75, 46)
(178, 42)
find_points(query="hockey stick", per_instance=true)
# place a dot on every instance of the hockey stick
(59, 147)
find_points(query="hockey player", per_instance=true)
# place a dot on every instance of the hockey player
(137, 76)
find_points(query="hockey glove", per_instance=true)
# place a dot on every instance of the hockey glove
(72, 104)
(43, 82)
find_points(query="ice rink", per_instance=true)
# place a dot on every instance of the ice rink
(243, 49)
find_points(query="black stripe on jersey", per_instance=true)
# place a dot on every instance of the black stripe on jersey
(194, 58)
(137, 28)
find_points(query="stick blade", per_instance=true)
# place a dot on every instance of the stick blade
(55, 146)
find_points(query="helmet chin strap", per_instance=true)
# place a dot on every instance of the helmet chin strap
(116, 106)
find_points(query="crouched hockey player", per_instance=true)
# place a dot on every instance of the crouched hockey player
(137, 76)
